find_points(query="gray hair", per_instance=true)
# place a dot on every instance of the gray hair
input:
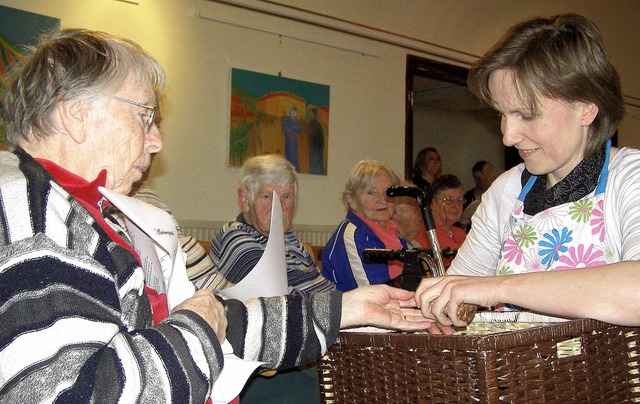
(268, 169)
(363, 174)
(70, 64)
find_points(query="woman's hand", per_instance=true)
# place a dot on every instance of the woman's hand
(382, 306)
(205, 304)
(441, 297)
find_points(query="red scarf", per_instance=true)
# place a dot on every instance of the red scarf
(390, 237)
(89, 196)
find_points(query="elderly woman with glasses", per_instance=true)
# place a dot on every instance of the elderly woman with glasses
(237, 247)
(368, 225)
(446, 207)
(82, 321)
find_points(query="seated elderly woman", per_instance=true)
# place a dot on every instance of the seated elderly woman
(80, 318)
(367, 225)
(237, 247)
(446, 206)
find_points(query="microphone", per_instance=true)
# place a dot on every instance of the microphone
(466, 311)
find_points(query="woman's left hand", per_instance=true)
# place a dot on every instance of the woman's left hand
(382, 306)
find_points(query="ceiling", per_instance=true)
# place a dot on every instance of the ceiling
(438, 94)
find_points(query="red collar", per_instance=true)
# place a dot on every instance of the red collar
(81, 189)
(89, 196)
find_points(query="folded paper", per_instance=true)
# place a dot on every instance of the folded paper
(269, 276)
(154, 236)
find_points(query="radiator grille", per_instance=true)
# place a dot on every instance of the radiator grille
(203, 230)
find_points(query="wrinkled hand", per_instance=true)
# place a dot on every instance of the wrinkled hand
(382, 306)
(205, 304)
(441, 297)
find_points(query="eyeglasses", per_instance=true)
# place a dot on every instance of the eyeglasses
(149, 121)
(452, 201)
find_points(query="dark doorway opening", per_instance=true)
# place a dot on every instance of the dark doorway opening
(437, 91)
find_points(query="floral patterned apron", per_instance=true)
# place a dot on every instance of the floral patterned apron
(570, 235)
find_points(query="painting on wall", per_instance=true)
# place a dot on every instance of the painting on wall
(273, 114)
(19, 30)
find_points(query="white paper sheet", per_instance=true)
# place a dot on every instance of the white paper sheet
(155, 238)
(234, 376)
(269, 276)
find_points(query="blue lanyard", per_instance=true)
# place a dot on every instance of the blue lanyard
(602, 181)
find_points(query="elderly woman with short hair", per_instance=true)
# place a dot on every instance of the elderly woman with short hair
(237, 247)
(80, 318)
(367, 225)
(446, 207)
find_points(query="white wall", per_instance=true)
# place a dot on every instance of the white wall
(366, 76)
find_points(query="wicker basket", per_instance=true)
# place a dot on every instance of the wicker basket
(579, 360)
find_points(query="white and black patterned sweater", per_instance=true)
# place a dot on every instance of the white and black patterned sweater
(76, 325)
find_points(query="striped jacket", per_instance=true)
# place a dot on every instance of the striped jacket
(76, 324)
(237, 247)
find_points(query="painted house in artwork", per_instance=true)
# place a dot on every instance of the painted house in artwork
(278, 103)
(240, 112)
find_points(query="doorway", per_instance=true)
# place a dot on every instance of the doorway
(440, 112)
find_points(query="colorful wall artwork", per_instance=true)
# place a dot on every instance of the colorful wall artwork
(19, 30)
(273, 114)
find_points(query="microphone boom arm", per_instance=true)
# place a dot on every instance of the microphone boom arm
(427, 217)
(466, 311)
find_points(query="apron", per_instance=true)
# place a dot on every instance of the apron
(570, 235)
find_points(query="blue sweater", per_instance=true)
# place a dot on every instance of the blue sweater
(342, 260)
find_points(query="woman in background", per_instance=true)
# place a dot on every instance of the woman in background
(483, 175)
(237, 247)
(368, 225)
(408, 219)
(446, 207)
(426, 168)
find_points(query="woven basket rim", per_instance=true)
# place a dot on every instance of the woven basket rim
(489, 342)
